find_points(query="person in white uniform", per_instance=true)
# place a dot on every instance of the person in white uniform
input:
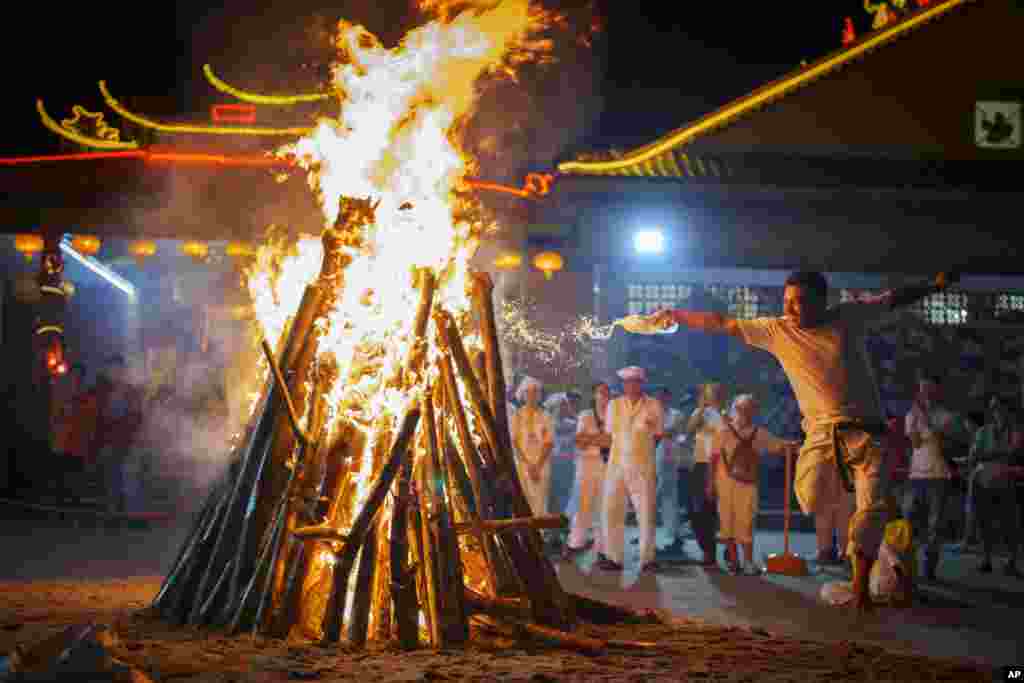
(593, 444)
(533, 435)
(821, 349)
(635, 421)
(735, 484)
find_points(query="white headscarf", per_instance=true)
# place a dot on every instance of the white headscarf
(740, 398)
(525, 385)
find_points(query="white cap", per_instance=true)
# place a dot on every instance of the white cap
(633, 373)
(525, 385)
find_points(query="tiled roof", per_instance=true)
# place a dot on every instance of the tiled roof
(665, 157)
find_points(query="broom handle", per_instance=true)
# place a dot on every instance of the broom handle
(789, 493)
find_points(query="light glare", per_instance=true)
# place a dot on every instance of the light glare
(649, 242)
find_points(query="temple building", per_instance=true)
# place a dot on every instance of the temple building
(890, 159)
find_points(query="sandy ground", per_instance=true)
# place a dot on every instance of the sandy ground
(66, 580)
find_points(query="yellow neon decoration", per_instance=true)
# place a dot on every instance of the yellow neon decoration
(74, 136)
(189, 128)
(103, 131)
(256, 98)
(763, 95)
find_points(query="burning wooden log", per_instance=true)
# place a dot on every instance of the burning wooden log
(403, 589)
(343, 566)
(294, 540)
(515, 524)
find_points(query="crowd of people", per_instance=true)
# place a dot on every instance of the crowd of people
(112, 441)
(634, 447)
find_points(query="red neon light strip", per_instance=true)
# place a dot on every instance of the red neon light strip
(79, 156)
(209, 159)
(233, 113)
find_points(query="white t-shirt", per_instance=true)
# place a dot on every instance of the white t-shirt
(705, 435)
(828, 365)
(927, 461)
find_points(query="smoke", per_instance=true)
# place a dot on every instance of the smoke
(519, 124)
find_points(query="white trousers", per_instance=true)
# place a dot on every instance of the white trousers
(536, 491)
(589, 481)
(638, 479)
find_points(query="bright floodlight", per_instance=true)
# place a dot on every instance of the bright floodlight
(649, 242)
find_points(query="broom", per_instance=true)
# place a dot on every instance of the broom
(787, 563)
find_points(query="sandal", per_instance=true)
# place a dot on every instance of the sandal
(985, 568)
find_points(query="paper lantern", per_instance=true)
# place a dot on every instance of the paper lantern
(28, 244)
(86, 244)
(549, 262)
(196, 249)
(142, 250)
(240, 250)
(508, 260)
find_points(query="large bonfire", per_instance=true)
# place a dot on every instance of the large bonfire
(374, 494)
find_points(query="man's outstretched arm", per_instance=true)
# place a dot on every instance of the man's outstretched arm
(705, 322)
(904, 296)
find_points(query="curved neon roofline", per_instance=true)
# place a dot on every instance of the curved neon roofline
(256, 98)
(190, 128)
(763, 95)
(85, 140)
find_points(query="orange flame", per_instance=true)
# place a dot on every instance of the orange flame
(396, 141)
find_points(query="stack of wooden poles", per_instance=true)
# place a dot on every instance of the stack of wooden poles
(291, 542)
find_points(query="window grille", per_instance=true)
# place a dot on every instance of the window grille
(1006, 303)
(649, 298)
(943, 308)
(744, 303)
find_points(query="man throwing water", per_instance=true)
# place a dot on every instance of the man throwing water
(822, 351)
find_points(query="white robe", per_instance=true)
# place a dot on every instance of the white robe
(631, 470)
(587, 487)
(533, 430)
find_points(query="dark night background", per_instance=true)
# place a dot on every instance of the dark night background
(663, 63)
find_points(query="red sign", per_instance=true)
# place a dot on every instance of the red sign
(233, 113)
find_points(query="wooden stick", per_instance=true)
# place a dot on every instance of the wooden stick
(319, 533)
(499, 525)
(346, 558)
(403, 590)
(361, 598)
(345, 456)
(453, 341)
(185, 555)
(244, 615)
(536, 571)
(561, 638)
(248, 486)
(423, 585)
(515, 608)
(449, 580)
(429, 545)
(483, 291)
(474, 462)
(285, 394)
